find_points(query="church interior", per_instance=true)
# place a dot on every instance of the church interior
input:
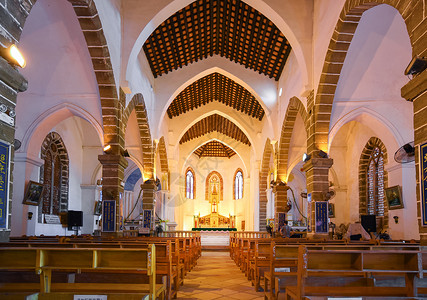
(211, 124)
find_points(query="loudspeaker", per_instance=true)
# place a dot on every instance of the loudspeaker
(75, 218)
(417, 65)
(369, 223)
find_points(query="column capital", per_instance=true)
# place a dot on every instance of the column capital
(109, 159)
(318, 163)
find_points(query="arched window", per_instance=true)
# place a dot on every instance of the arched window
(238, 184)
(54, 175)
(373, 180)
(189, 184)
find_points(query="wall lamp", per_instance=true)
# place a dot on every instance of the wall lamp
(13, 56)
(126, 153)
(396, 219)
(107, 148)
(306, 157)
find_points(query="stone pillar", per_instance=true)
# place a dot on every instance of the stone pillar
(11, 82)
(113, 167)
(317, 176)
(148, 194)
(415, 91)
(280, 202)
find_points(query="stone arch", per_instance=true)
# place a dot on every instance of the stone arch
(295, 107)
(363, 165)
(137, 103)
(337, 52)
(53, 148)
(163, 155)
(221, 184)
(111, 104)
(263, 184)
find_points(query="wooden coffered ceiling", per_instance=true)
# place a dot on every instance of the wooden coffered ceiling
(214, 149)
(229, 28)
(215, 123)
(216, 87)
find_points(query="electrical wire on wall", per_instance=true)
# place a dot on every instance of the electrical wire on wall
(296, 205)
(137, 200)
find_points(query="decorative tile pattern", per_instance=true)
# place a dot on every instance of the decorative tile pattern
(216, 276)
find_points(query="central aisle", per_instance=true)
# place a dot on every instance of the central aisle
(216, 276)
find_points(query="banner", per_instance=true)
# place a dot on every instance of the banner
(146, 221)
(423, 183)
(109, 215)
(4, 183)
(321, 217)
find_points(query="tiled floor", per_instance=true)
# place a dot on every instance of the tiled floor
(216, 276)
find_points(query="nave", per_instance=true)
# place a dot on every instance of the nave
(216, 276)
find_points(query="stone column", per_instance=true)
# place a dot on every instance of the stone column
(148, 194)
(317, 176)
(113, 167)
(415, 91)
(11, 83)
(280, 202)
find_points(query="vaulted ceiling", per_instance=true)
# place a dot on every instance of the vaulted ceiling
(229, 28)
(216, 87)
(215, 123)
(214, 149)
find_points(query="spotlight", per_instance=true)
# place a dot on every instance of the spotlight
(13, 56)
(107, 148)
(306, 157)
(323, 154)
(396, 219)
(416, 66)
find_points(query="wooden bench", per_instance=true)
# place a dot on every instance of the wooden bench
(350, 273)
(46, 261)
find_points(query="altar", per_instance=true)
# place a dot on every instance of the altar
(215, 238)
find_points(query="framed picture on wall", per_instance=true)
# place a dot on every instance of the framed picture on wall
(393, 196)
(33, 194)
(98, 208)
(331, 210)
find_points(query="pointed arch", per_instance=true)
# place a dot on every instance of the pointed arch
(137, 103)
(337, 52)
(263, 184)
(365, 162)
(295, 107)
(163, 155)
(111, 104)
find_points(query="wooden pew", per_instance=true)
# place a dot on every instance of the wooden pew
(46, 261)
(321, 273)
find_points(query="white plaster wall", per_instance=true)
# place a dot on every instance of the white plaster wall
(326, 14)
(59, 71)
(368, 78)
